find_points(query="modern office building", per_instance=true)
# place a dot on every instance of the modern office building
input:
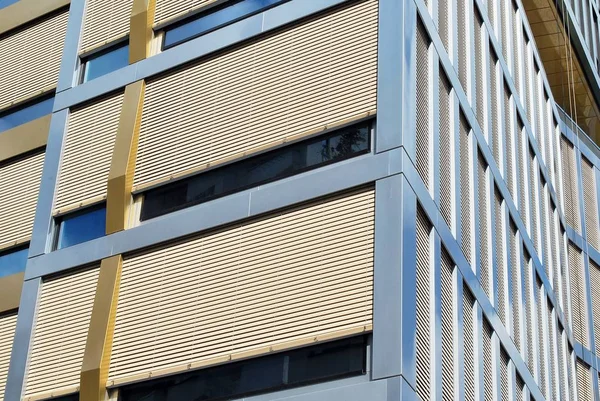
(301, 200)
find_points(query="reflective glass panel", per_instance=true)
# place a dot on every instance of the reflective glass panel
(6, 3)
(13, 261)
(28, 112)
(213, 19)
(303, 366)
(293, 159)
(107, 61)
(81, 227)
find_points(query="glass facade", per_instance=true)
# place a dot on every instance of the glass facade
(26, 113)
(81, 227)
(13, 261)
(105, 62)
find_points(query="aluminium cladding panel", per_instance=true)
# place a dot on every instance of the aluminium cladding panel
(87, 152)
(60, 333)
(278, 281)
(167, 10)
(30, 58)
(569, 183)
(104, 21)
(8, 323)
(319, 72)
(590, 203)
(19, 187)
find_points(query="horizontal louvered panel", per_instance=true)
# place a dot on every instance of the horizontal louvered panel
(584, 382)
(595, 286)
(88, 150)
(590, 203)
(104, 21)
(19, 187)
(30, 58)
(8, 324)
(291, 82)
(61, 330)
(170, 9)
(289, 276)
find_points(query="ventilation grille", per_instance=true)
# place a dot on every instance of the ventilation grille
(488, 369)
(515, 267)
(570, 191)
(590, 203)
(172, 9)
(500, 254)
(105, 21)
(423, 304)
(8, 324)
(61, 329)
(448, 327)
(469, 343)
(465, 188)
(595, 285)
(22, 74)
(576, 278)
(258, 290)
(18, 197)
(86, 163)
(484, 222)
(293, 81)
(423, 130)
(445, 151)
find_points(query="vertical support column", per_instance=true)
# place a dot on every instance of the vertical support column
(394, 315)
(122, 168)
(23, 334)
(141, 32)
(96, 359)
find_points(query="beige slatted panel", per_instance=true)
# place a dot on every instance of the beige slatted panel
(446, 150)
(463, 44)
(552, 341)
(8, 323)
(321, 71)
(529, 306)
(423, 107)
(489, 392)
(284, 278)
(509, 128)
(584, 382)
(64, 312)
(423, 329)
(515, 272)
(590, 203)
(500, 245)
(578, 308)
(541, 340)
(484, 225)
(19, 187)
(504, 374)
(469, 343)
(520, 393)
(449, 326)
(480, 74)
(171, 9)
(88, 150)
(495, 104)
(465, 188)
(532, 195)
(570, 187)
(104, 22)
(595, 285)
(562, 365)
(22, 72)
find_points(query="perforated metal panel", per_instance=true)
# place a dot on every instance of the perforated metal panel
(488, 369)
(584, 382)
(520, 389)
(424, 301)
(590, 203)
(495, 104)
(448, 328)
(541, 341)
(20, 184)
(463, 43)
(445, 151)
(264, 284)
(257, 95)
(21, 73)
(517, 29)
(509, 131)
(423, 134)
(465, 188)
(576, 281)
(104, 22)
(500, 241)
(552, 341)
(445, 13)
(8, 324)
(504, 385)
(484, 225)
(469, 343)
(61, 330)
(569, 182)
(480, 72)
(86, 159)
(523, 168)
(515, 272)
(529, 306)
(595, 287)
(533, 196)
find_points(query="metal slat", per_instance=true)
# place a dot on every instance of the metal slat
(8, 324)
(448, 328)
(423, 329)
(104, 21)
(590, 203)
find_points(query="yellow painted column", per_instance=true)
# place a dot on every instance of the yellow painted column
(96, 359)
(24, 138)
(140, 31)
(120, 177)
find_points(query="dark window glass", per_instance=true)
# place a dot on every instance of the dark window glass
(106, 61)
(214, 18)
(25, 113)
(293, 159)
(6, 3)
(70, 397)
(81, 227)
(13, 261)
(269, 373)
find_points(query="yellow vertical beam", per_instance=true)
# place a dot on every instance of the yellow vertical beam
(96, 359)
(120, 177)
(141, 33)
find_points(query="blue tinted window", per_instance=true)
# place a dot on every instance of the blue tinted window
(13, 261)
(81, 227)
(6, 3)
(107, 61)
(214, 19)
(26, 113)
